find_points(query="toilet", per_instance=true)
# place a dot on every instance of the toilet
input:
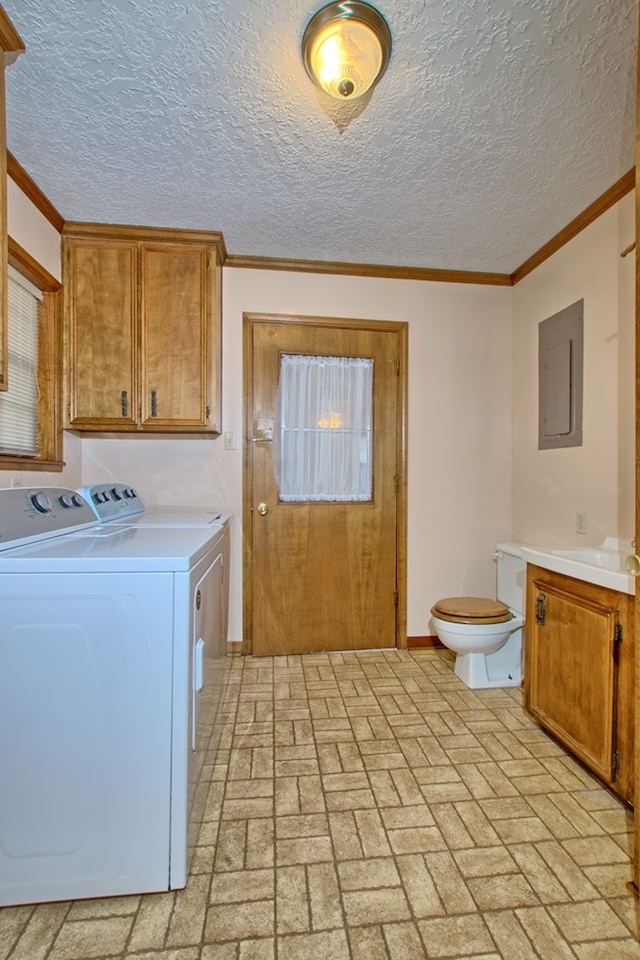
(486, 635)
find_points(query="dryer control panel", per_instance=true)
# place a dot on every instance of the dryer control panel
(112, 501)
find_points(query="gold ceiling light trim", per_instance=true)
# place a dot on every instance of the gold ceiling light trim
(346, 48)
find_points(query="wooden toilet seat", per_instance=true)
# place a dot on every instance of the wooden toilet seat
(471, 610)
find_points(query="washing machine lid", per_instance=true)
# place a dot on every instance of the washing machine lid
(115, 549)
(179, 517)
(471, 610)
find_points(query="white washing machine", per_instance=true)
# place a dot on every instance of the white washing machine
(111, 646)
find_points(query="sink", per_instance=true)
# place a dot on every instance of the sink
(603, 565)
(595, 557)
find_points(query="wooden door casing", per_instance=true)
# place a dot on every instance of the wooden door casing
(324, 576)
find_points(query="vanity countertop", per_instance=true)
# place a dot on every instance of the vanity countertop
(604, 565)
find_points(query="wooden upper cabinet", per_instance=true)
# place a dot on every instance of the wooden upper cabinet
(143, 322)
(11, 46)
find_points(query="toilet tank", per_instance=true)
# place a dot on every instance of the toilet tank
(511, 576)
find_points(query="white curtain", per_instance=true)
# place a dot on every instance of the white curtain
(325, 436)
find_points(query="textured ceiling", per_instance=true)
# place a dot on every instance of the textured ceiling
(496, 123)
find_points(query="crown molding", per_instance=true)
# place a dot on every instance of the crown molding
(368, 270)
(118, 231)
(10, 40)
(31, 189)
(611, 196)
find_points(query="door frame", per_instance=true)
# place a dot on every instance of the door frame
(401, 329)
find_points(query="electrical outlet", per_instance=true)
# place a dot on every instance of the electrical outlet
(581, 522)
(230, 440)
(16, 481)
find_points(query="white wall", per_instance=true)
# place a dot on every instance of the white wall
(459, 424)
(549, 486)
(32, 231)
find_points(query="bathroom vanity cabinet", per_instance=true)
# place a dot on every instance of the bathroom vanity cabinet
(579, 671)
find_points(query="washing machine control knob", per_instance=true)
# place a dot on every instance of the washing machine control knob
(40, 501)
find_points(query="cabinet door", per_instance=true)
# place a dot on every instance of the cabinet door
(102, 311)
(176, 304)
(572, 673)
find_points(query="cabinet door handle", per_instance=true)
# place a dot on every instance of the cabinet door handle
(154, 403)
(124, 403)
(541, 609)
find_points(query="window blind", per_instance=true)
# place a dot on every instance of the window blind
(19, 404)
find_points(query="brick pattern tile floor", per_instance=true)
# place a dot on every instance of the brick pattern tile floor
(370, 807)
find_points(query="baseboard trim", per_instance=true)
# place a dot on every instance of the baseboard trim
(234, 647)
(429, 641)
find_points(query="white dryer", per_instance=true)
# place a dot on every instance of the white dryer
(121, 503)
(110, 649)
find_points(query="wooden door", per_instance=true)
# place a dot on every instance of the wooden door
(101, 298)
(176, 308)
(571, 670)
(323, 575)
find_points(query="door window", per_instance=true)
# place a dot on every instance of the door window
(325, 429)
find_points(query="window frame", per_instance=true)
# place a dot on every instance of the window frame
(49, 442)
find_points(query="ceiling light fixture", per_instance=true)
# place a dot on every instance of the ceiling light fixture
(346, 48)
